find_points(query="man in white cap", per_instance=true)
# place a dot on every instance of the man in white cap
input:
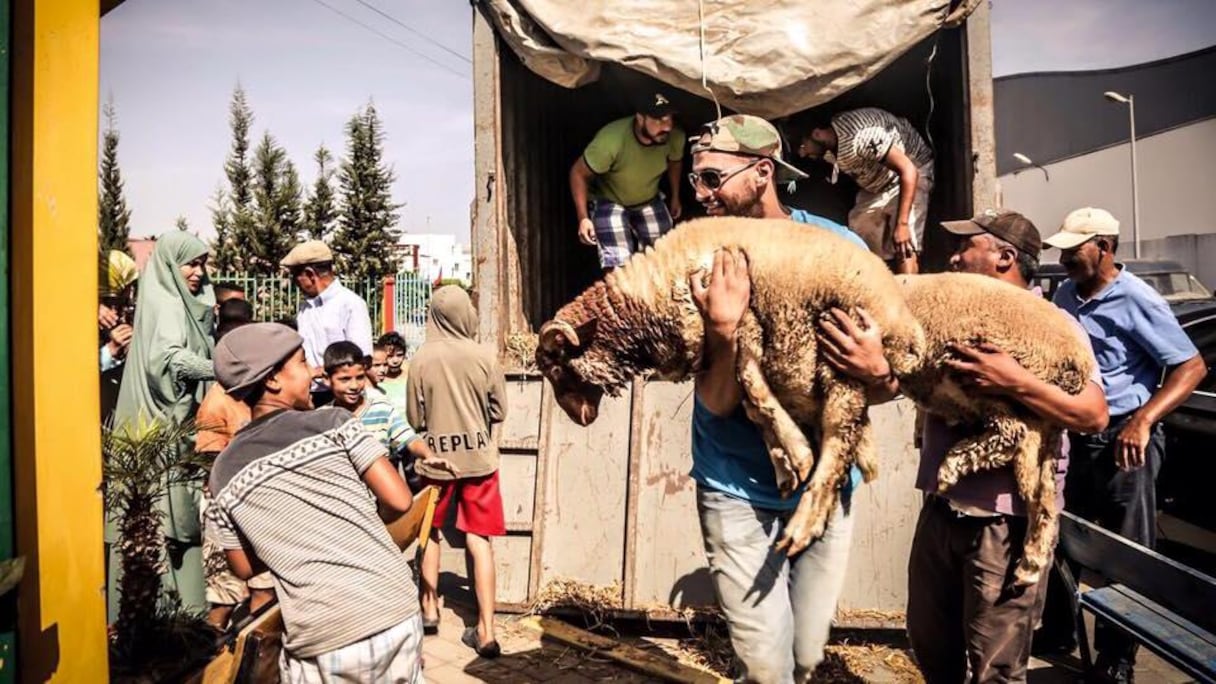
(1112, 475)
(330, 313)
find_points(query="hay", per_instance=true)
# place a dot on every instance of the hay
(521, 351)
(596, 603)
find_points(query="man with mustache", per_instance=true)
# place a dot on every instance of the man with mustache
(1112, 479)
(615, 182)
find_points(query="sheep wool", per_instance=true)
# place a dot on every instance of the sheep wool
(967, 309)
(640, 320)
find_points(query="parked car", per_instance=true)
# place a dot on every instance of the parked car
(1167, 277)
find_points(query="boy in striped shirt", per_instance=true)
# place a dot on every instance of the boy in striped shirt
(347, 374)
(305, 494)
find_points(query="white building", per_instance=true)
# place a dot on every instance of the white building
(436, 256)
(1062, 122)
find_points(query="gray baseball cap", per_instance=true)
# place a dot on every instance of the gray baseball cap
(248, 354)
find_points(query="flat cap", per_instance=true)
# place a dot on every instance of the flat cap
(250, 353)
(308, 252)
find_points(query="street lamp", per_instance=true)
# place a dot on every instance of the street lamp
(1131, 114)
(1027, 161)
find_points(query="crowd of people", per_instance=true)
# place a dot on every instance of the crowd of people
(319, 435)
(317, 438)
(966, 621)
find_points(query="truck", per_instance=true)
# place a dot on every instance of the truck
(611, 506)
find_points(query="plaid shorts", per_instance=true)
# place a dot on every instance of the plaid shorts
(394, 655)
(620, 231)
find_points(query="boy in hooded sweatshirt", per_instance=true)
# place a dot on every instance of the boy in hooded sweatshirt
(456, 393)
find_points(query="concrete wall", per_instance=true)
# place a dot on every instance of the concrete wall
(1176, 169)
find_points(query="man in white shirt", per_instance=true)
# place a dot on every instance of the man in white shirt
(330, 313)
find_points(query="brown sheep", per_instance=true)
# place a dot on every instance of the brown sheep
(966, 309)
(641, 319)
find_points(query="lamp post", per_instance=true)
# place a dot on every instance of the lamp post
(1027, 161)
(1131, 114)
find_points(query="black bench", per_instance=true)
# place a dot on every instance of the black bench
(1167, 607)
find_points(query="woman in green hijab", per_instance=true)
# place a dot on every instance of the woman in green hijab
(167, 373)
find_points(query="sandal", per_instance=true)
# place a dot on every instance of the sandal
(489, 650)
(430, 627)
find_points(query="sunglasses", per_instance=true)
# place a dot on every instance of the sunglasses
(714, 179)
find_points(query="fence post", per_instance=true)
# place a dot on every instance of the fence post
(389, 308)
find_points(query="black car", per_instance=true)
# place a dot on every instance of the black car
(1167, 277)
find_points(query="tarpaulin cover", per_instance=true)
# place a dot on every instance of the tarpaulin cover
(771, 58)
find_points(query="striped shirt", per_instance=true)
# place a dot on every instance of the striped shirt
(290, 485)
(863, 138)
(386, 423)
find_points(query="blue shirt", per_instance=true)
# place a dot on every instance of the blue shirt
(1134, 335)
(728, 453)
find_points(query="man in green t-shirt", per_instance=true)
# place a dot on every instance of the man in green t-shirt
(615, 183)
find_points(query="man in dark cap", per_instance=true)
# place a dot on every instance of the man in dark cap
(615, 182)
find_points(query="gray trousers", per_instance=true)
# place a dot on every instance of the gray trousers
(779, 610)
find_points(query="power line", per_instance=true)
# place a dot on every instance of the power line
(414, 31)
(392, 40)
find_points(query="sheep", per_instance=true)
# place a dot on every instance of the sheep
(967, 309)
(641, 320)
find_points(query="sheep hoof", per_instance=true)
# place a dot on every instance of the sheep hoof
(1027, 573)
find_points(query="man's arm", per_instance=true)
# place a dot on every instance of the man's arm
(856, 350)
(901, 164)
(1180, 381)
(390, 490)
(244, 563)
(675, 170)
(722, 304)
(992, 370)
(580, 182)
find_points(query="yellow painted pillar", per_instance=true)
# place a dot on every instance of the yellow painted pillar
(57, 451)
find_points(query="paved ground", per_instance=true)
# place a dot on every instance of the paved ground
(527, 659)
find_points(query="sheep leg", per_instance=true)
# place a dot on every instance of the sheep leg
(793, 458)
(993, 448)
(844, 424)
(1035, 472)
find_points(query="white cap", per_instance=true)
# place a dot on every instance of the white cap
(1081, 225)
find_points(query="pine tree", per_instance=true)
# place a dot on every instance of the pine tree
(319, 210)
(366, 236)
(232, 214)
(276, 207)
(113, 215)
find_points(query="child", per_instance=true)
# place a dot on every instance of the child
(218, 419)
(379, 368)
(397, 371)
(348, 380)
(456, 393)
(291, 494)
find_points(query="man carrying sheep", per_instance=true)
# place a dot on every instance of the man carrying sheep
(963, 613)
(1113, 476)
(892, 165)
(778, 609)
(615, 182)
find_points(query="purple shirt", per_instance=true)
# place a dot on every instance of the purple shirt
(991, 490)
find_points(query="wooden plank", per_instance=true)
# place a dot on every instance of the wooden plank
(1179, 641)
(512, 564)
(224, 668)
(885, 515)
(583, 504)
(1183, 590)
(665, 668)
(407, 528)
(637, 390)
(517, 480)
(485, 211)
(547, 407)
(521, 430)
(671, 570)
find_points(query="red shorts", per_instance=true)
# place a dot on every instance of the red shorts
(478, 504)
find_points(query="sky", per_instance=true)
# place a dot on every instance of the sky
(170, 67)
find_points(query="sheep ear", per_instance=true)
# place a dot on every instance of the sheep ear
(557, 333)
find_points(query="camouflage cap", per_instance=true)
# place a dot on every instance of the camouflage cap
(746, 135)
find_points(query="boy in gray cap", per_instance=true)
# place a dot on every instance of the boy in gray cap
(291, 495)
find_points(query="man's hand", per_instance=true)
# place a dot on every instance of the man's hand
(903, 241)
(989, 369)
(586, 232)
(675, 208)
(120, 340)
(724, 301)
(852, 349)
(1131, 447)
(106, 317)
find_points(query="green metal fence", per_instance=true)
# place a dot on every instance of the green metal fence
(411, 297)
(276, 298)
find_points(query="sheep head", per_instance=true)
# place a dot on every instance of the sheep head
(560, 357)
